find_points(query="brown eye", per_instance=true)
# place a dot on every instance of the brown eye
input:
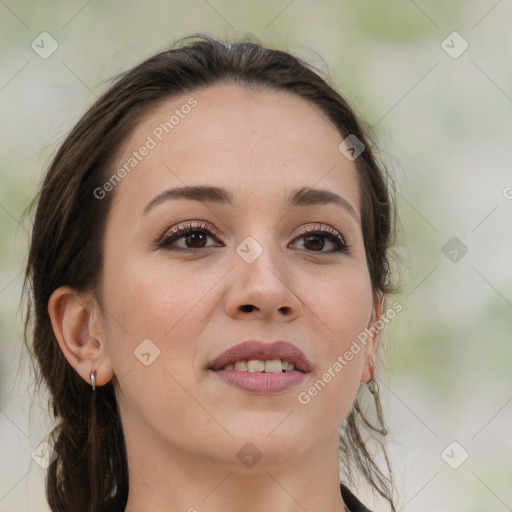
(314, 242)
(194, 237)
(314, 239)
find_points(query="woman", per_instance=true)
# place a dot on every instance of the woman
(208, 268)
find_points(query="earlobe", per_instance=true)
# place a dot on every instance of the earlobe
(72, 316)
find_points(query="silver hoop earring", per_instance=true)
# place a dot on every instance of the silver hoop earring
(93, 380)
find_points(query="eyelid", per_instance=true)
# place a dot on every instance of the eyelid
(190, 224)
(320, 227)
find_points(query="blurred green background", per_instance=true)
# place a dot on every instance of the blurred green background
(442, 115)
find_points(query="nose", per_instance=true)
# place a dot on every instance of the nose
(263, 289)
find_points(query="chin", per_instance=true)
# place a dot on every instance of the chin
(271, 433)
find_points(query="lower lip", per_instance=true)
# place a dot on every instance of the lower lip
(260, 382)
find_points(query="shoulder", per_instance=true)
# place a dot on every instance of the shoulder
(353, 504)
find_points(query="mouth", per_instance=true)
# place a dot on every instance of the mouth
(260, 367)
(257, 356)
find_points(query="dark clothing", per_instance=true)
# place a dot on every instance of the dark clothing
(353, 504)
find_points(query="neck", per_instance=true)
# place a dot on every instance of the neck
(167, 479)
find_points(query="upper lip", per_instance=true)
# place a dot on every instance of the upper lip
(262, 351)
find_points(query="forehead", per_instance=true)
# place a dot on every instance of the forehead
(258, 143)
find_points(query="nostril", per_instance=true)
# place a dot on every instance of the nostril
(247, 308)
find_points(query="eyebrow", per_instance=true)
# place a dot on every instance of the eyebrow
(209, 194)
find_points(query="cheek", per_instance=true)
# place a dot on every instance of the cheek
(162, 302)
(345, 302)
(155, 317)
(347, 308)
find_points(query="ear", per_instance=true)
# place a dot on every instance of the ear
(374, 330)
(78, 327)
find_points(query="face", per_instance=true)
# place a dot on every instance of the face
(257, 267)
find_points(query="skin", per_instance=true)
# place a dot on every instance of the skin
(183, 425)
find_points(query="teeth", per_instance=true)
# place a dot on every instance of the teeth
(255, 365)
(241, 366)
(273, 366)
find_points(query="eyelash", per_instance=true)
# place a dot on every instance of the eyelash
(178, 232)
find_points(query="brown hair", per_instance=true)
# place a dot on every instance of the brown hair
(90, 473)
